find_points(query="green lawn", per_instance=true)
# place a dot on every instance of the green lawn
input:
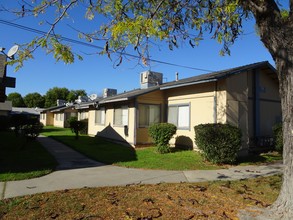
(22, 159)
(111, 153)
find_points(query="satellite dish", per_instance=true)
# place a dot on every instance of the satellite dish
(12, 51)
(93, 97)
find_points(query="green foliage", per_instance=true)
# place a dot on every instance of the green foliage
(76, 126)
(33, 100)
(32, 129)
(219, 143)
(278, 137)
(4, 122)
(25, 125)
(53, 94)
(161, 134)
(73, 94)
(134, 23)
(16, 99)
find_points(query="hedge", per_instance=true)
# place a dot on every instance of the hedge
(219, 143)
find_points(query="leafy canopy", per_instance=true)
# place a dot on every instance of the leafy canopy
(137, 23)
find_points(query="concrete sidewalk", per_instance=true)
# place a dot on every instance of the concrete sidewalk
(77, 171)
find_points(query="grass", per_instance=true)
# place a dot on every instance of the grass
(209, 200)
(22, 159)
(147, 158)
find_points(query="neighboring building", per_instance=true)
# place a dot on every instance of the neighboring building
(239, 96)
(34, 112)
(47, 116)
(62, 114)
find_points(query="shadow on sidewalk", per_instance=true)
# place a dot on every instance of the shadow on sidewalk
(100, 151)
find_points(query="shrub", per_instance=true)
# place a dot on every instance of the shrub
(32, 130)
(4, 122)
(219, 143)
(76, 126)
(278, 137)
(161, 134)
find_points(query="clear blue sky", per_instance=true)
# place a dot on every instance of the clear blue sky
(96, 72)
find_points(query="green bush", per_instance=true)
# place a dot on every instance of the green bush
(219, 143)
(278, 137)
(4, 122)
(77, 126)
(161, 134)
(32, 130)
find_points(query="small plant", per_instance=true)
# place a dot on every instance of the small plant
(219, 143)
(161, 134)
(32, 129)
(76, 126)
(278, 137)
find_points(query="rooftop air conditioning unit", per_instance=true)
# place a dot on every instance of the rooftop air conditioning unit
(150, 78)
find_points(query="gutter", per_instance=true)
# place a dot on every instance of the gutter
(114, 100)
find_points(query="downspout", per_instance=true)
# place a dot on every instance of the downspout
(216, 103)
(135, 121)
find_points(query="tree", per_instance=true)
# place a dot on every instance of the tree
(53, 94)
(33, 100)
(73, 94)
(137, 23)
(16, 98)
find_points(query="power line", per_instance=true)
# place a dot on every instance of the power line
(94, 46)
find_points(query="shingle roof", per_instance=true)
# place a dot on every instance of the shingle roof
(215, 76)
(128, 95)
(210, 77)
(53, 108)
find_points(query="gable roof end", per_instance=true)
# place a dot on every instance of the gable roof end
(215, 76)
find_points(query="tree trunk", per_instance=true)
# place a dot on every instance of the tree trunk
(283, 207)
(276, 32)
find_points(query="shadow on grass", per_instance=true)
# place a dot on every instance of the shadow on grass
(98, 148)
(269, 157)
(20, 157)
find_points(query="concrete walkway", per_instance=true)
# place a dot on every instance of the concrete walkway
(77, 171)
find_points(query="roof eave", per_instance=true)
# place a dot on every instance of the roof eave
(188, 84)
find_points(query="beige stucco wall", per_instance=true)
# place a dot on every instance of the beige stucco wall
(58, 123)
(237, 104)
(111, 131)
(158, 98)
(207, 105)
(48, 119)
(241, 109)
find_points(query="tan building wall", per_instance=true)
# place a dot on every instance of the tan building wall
(253, 104)
(47, 118)
(157, 98)
(110, 130)
(58, 120)
(207, 105)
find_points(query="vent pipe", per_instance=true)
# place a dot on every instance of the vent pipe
(176, 76)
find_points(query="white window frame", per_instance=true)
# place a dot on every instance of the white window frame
(182, 118)
(123, 116)
(148, 116)
(102, 113)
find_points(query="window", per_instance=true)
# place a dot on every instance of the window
(121, 116)
(83, 115)
(149, 114)
(179, 115)
(100, 116)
